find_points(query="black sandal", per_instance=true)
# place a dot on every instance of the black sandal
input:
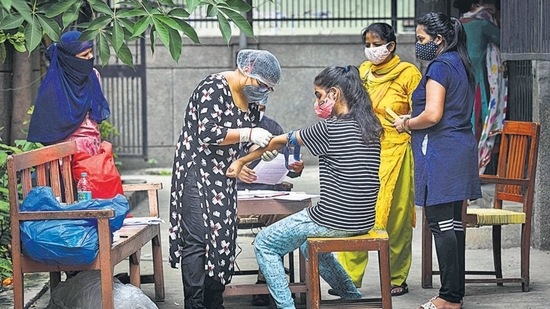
(398, 290)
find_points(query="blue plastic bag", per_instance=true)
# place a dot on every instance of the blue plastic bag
(68, 242)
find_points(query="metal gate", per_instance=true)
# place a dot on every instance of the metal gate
(125, 89)
(520, 90)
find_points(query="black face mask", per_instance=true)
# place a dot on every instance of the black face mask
(426, 51)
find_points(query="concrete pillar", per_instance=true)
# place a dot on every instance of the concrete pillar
(541, 113)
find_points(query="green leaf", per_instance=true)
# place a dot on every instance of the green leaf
(69, 16)
(132, 13)
(170, 22)
(6, 4)
(59, 8)
(100, 6)
(192, 4)
(23, 8)
(89, 35)
(50, 27)
(100, 22)
(126, 25)
(239, 21)
(103, 49)
(152, 39)
(179, 12)
(225, 28)
(189, 31)
(162, 32)
(118, 36)
(125, 55)
(11, 22)
(33, 35)
(141, 25)
(175, 44)
(211, 11)
(239, 5)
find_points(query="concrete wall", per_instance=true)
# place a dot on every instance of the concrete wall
(541, 113)
(170, 84)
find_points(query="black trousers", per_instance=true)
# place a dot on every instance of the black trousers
(445, 222)
(199, 290)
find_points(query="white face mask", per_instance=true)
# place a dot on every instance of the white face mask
(378, 54)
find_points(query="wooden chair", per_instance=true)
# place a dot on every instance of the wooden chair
(51, 166)
(375, 240)
(514, 182)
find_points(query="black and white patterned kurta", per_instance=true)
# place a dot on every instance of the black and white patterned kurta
(210, 112)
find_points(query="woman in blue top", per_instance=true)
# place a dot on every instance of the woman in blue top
(444, 147)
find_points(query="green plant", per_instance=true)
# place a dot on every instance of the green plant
(5, 233)
(107, 130)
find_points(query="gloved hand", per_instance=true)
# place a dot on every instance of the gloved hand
(258, 136)
(269, 155)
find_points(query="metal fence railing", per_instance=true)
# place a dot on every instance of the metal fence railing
(287, 17)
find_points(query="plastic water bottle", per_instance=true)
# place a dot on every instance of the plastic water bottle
(83, 189)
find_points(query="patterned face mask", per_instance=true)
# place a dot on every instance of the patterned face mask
(378, 54)
(426, 51)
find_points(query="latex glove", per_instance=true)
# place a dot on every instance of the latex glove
(269, 155)
(258, 136)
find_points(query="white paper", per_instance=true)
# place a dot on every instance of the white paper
(295, 196)
(142, 221)
(274, 171)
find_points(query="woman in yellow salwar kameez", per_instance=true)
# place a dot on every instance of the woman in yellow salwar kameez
(390, 83)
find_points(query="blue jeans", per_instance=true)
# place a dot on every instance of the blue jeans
(283, 237)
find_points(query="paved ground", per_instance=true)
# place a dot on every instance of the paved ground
(477, 296)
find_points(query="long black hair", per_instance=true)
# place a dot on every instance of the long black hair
(347, 79)
(452, 31)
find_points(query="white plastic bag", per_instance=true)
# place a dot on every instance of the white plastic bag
(83, 291)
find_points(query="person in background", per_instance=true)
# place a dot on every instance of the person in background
(221, 119)
(70, 104)
(347, 143)
(481, 30)
(483, 39)
(444, 146)
(390, 83)
(246, 181)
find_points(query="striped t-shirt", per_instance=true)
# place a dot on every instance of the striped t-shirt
(348, 173)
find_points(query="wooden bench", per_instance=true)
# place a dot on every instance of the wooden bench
(51, 166)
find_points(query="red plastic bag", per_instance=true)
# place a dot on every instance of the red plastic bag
(102, 172)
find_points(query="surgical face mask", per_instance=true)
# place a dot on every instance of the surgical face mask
(324, 110)
(255, 94)
(426, 51)
(378, 54)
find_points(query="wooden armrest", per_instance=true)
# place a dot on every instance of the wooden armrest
(492, 179)
(73, 214)
(152, 194)
(141, 187)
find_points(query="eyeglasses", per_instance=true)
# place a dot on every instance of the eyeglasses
(264, 86)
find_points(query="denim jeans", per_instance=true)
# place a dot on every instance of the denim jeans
(283, 237)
